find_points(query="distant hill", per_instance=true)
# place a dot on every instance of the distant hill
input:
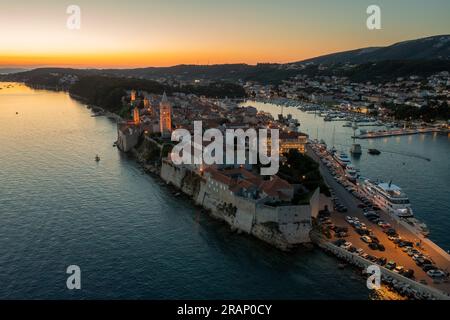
(420, 57)
(11, 70)
(430, 48)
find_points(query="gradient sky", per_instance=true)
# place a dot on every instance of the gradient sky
(138, 33)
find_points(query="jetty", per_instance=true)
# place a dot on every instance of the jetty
(394, 133)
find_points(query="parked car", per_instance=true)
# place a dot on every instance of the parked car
(373, 246)
(375, 239)
(428, 267)
(339, 242)
(381, 247)
(362, 232)
(352, 249)
(436, 273)
(366, 239)
(391, 232)
(346, 245)
(408, 273)
(398, 269)
(391, 265)
(382, 261)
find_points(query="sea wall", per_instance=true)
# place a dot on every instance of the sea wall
(281, 226)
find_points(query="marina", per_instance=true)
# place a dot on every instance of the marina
(396, 158)
(400, 238)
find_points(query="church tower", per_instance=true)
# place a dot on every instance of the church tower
(133, 96)
(165, 117)
(146, 103)
(136, 118)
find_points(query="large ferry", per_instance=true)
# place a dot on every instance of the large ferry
(393, 200)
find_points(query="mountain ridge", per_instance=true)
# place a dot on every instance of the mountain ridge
(428, 48)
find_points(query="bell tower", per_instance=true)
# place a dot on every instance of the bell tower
(165, 117)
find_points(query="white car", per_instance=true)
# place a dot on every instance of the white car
(436, 273)
(346, 245)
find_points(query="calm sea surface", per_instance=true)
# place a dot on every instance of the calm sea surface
(131, 238)
(402, 160)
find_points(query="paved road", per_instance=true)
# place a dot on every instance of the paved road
(392, 252)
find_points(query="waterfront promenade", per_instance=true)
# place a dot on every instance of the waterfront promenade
(392, 252)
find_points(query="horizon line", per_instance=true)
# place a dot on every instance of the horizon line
(74, 66)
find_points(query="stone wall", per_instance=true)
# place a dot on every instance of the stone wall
(281, 226)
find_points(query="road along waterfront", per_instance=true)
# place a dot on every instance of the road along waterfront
(403, 159)
(392, 252)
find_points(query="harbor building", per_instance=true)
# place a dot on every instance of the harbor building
(127, 136)
(291, 140)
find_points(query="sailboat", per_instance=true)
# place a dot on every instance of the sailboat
(333, 149)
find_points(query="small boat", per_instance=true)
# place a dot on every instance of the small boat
(97, 158)
(374, 151)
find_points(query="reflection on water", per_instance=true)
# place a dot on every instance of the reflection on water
(402, 160)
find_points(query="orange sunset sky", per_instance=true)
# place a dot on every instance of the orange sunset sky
(161, 33)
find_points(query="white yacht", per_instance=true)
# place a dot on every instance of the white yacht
(393, 200)
(351, 173)
(342, 159)
(388, 197)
